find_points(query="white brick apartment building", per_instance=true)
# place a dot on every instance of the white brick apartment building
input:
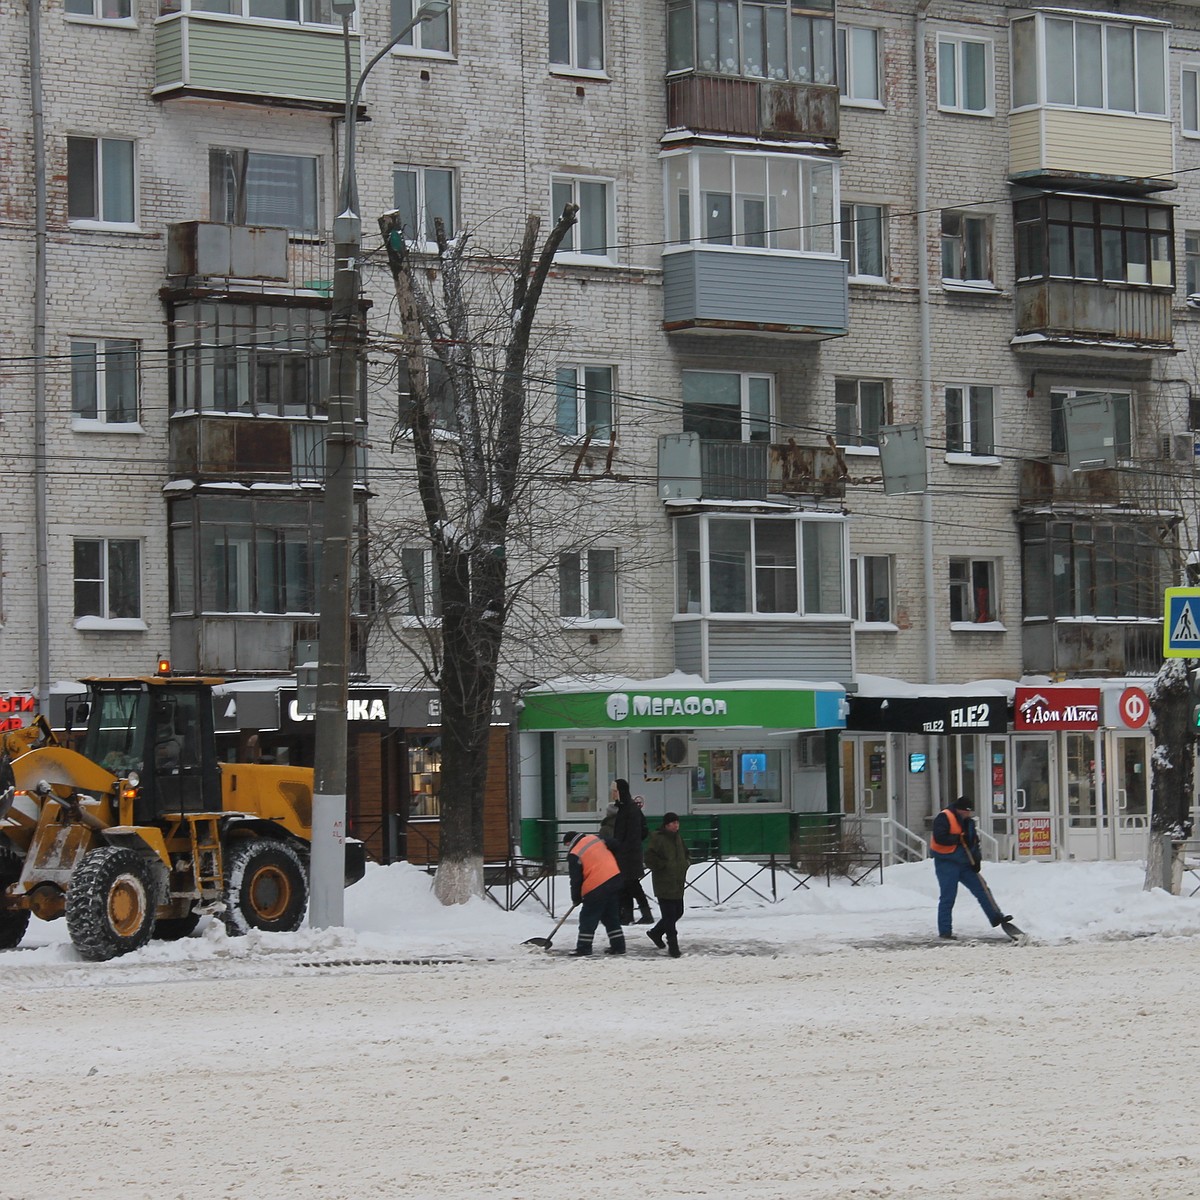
(797, 224)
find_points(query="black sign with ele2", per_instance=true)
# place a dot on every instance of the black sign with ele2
(928, 714)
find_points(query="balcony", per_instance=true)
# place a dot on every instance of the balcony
(695, 468)
(728, 289)
(216, 448)
(1048, 145)
(753, 108)
(1092, 648)
(1142, 487)
(1065, 312)
(223, 57)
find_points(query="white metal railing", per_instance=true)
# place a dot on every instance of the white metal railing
(896, 843)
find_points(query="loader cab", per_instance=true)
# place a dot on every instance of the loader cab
(162, 729)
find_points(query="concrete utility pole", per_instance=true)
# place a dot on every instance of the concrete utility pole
(327, 867)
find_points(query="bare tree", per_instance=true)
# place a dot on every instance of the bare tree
(468, 486)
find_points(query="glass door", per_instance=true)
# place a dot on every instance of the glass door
(589, 765)
(1034, 767)
(867, 786)
(1129, 794)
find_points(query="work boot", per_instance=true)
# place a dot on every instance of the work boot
(946, 937)
(579, 953)
(673, 950)
(655, 937)
(647, 918)
(614, 950)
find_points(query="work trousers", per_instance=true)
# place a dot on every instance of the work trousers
(602, 903)
(951, 872)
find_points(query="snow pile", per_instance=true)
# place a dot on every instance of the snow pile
(392, 913)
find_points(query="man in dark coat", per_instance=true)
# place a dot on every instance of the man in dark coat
(668, 860)
(954, 844)
(629, 832)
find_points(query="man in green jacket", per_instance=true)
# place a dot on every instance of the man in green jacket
(668, 860)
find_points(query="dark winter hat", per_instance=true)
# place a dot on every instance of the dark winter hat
(965, 804)
(669, 817)
(569, 837)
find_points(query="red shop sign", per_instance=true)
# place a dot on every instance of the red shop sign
(1056, 708)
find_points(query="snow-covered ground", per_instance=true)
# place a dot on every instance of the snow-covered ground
(824, 1046)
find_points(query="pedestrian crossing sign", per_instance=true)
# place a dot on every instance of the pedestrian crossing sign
(1181, 623)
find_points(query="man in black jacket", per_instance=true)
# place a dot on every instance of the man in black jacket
(957, 859)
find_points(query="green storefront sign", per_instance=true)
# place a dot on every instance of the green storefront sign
(697, 708)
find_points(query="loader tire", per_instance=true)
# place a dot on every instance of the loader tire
(111, 902)
(266, 887)
(171, 929)
(14, 921)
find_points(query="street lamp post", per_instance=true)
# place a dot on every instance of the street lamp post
(328, 862)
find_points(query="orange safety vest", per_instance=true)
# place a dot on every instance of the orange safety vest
(597, 861)
(955, 828)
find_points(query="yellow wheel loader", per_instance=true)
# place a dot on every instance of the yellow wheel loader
(143, 830)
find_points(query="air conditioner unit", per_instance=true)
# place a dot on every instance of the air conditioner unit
(810, 750)
(675, 750)
(1180, 447)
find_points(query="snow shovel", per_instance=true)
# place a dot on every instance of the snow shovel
(546, 942)
(1009, 928)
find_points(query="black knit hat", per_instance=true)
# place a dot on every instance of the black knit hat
(964, 804)
(669, 817)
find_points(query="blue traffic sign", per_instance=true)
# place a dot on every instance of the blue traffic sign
(1181, 623)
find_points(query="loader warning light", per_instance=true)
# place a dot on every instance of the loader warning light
(164, 666)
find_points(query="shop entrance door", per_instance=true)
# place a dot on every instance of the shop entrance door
(1127, 788)
(866, 776)
(1021, 814)
(589, 765)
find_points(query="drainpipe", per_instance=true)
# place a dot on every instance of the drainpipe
(41, 532)
(926, 376)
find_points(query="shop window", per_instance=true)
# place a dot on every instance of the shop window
(425, 775)
(748, 776)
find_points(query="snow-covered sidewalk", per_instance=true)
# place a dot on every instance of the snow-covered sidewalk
(827, 1046)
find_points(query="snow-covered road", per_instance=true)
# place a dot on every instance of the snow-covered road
(986, 1071)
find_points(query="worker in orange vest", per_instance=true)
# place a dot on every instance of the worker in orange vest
(956, 859)
(596, 883)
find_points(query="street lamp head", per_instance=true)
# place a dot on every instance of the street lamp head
(430, 9)
(344, 8)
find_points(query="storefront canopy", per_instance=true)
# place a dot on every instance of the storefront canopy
(677, 703)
